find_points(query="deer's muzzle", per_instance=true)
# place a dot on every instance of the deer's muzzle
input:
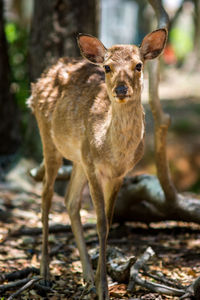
(121, 91)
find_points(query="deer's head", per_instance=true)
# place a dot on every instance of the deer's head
(123, 64)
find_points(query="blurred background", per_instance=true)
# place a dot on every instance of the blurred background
(34, 34)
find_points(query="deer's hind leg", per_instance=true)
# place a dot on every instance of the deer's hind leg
(52, 162)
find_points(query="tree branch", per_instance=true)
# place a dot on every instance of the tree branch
(161, 14)
(161, 120)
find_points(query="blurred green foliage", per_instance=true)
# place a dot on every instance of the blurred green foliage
(195, 188)
(182, 42)
(184, 126)
(17, 38)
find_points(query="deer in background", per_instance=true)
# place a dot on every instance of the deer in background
(89, 111)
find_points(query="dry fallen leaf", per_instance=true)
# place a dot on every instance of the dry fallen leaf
(118, 290)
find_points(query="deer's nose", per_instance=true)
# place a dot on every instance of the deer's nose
(121, 90)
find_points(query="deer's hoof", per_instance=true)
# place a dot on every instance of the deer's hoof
(89, 292)
(46, 282)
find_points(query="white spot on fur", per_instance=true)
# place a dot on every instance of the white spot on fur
(100, 131)
(65, 75)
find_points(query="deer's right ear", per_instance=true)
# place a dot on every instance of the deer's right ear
(91, 48)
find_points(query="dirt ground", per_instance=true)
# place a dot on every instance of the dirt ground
(176, 244)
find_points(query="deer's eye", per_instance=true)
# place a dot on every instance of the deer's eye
(107, 68)
(138, 67)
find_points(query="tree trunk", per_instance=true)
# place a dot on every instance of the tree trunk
(9, 115)
(161, 119)
(197, 30)
(54, 28)
(192, 61)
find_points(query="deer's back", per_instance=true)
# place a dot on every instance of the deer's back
(68, 79)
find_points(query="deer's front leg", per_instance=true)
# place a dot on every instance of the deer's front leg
(110, 190)
(73, 204)
(102, 230)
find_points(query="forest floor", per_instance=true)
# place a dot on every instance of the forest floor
(176, 244)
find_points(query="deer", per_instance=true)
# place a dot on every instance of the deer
(89, 111)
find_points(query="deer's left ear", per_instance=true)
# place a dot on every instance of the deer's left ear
(153, 44)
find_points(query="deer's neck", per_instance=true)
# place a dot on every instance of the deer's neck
(127, 125)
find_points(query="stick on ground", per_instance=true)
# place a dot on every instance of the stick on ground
(28, 285)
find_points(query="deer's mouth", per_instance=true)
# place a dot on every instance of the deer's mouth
(122, 98)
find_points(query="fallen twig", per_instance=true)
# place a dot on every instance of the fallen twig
(160, 277)
(159, 288)
(18, 274)
(139, 264)
(27, 286)
(120, 268)
(52, 229)
(193, 290)
(38, 230)
(22, 282)
(13, 285)
(154, 287)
